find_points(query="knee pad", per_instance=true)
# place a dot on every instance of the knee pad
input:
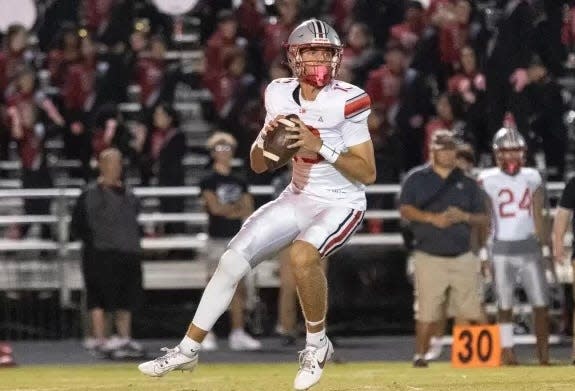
(233, 265)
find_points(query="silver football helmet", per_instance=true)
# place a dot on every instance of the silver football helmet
(309, 34)
(509, 148)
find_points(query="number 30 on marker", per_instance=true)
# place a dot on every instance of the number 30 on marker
(476, 346)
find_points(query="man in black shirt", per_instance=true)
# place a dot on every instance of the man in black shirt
(106, 220)
(561, 221)
(227, 202)
(442, 204)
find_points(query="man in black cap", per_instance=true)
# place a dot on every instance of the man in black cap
(442, 204)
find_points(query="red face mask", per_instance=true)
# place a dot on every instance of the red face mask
(510, 165)
(317, 75)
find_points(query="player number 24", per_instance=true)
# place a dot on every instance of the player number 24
(507, 200)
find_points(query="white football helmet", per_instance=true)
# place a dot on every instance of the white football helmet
(314, 33)
(510, 149)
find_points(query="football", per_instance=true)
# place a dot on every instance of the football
(276, 151)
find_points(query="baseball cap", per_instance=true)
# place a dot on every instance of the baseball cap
(442, 139)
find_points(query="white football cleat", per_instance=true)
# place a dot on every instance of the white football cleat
(311, 363)
(174, 359)
(240, 340)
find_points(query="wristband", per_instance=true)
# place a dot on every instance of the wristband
(328, 153)
(546, 251)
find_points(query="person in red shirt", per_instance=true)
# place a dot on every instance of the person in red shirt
(224, 39)
(384, 84)
(164, 153)
(149, 72)
(232, 92)
(408, 32)
(65, 52)
(277, 30)
(79, 96)
(12, 57)
(250, 16)
(470, 85)
(448, 112)
(22, 118)
(454, 32)
(342, 13)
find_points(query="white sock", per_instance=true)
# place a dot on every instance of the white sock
(189, 347)
(316, 339)
(506, 334)
(418, 356)
(220, 290)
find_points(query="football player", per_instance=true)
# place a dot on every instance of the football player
(317, 212)
(520, 238)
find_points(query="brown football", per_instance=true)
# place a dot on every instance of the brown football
(276, 151)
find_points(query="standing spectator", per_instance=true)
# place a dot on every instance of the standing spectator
(163, 157)
(441, 219)
(79, 96)
(110, 132)
(105, 218)
(546, 108)
(24, 107)
(563, 217)
(508, 54)
(520, 233)
(228, 203)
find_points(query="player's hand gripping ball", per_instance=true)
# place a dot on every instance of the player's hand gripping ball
(276, 151)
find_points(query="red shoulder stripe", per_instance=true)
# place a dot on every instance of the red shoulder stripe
(357, 105)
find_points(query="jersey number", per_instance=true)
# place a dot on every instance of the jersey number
(507, 199)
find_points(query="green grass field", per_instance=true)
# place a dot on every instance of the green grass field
(276, 377)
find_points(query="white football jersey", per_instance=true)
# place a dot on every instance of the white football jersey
(339, 116)
(512, 201)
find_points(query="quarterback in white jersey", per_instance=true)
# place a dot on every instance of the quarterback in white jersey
(316, 214)
(516, 195)
(338, 117)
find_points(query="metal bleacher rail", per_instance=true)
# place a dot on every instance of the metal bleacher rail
(62, 272)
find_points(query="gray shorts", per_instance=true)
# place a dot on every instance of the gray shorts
(519, 262)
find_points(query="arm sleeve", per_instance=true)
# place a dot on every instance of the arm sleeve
(567, 200)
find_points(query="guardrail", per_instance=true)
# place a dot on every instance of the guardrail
(69, 277)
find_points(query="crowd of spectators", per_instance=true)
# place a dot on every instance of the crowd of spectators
(462, 65)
